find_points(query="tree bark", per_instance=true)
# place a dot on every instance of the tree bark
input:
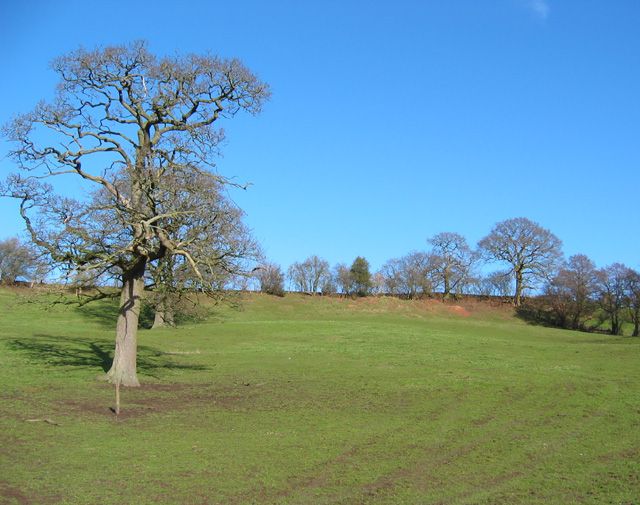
(446, 288)
(123, 369)
(517, 299)
(163, 316)
(615, 325)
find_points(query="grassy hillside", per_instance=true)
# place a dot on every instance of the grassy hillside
(318, 401)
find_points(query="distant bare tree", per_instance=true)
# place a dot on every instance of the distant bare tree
(419, 273)
(329, 287)
(378, 284)
(391, 272)
(408, 276)
(612, 294)
(571, 291)
(532, 252)
(633, 299)
(18, 259)
(497, 283)
(271, 279)
(343, 278)
(451, 260)
(311, 275)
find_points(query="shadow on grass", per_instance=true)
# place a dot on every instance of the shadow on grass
(610, 339)
(105, 313)
(87, 353)
(536, 314)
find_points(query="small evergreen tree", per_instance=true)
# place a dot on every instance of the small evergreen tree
(361, 276)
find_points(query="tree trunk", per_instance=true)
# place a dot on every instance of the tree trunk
(446, 287)
(575, 321)
(163, 316)
(615, 324)
(123, 369)
(517, 298)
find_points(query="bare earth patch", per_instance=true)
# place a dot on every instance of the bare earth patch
(459, 310)
(163, 398)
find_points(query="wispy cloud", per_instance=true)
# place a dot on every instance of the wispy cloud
(539, 7)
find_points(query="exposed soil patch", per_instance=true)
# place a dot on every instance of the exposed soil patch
(171, 388)
(10, 494)
(633, 454)
(156, 398)
(13, 494)
(318, 478)
(482, 421)
(459, 310)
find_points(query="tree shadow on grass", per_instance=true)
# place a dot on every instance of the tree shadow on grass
(536, 314)
(105, 313)
(609, 339)
(88, 353)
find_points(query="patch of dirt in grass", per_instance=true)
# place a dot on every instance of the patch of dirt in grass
(10, 494)
(106, 410)
(420, 474)
(632, 454)
(321, 476)
(170, 388)
(163, 398)
(458, 310)
(482, 421)
(493, 484)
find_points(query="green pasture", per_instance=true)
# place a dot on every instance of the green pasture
(302, 400)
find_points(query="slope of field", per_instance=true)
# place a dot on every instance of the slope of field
(317, 401)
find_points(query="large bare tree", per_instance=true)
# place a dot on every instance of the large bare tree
(128, 124)
(532, 252)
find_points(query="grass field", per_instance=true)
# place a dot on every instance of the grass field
(318, 401)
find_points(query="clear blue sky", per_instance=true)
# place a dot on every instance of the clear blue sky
(393, 121)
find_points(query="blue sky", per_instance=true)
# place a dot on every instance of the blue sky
(391, 122)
